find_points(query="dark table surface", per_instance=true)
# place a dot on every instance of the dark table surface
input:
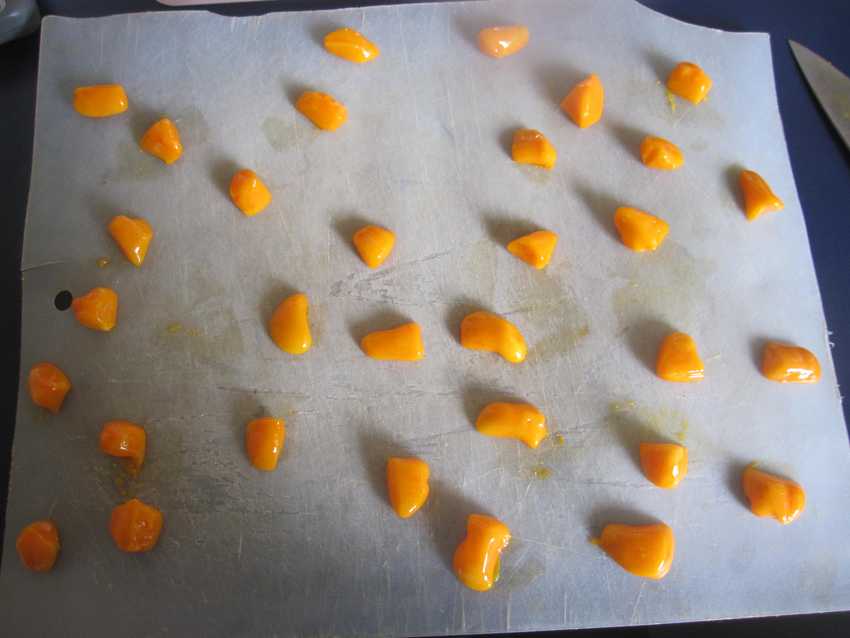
(820, 161)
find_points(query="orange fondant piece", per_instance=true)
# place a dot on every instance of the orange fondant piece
(407, 484)
(659, 153)
(476, 560)
(97, 309)
(133, 236)
(264, 440)
(678, 359)
(536, 248)
(289, 326)
(249, 193)
(499, 42)
(789, 364)
(100, 100)
(125, 440)
(162, 140)
(135, 526)
(484, 330)
(322, 110)
(38, 545)
(773, 496)
(48, 386)
(374, 244)
(403, 343)
(689, 81)
(351, 45)
(532, 147)
(585, 102)
(639, 230)
(643, 550)
(664, 464)
(758, 198)
(520, 421)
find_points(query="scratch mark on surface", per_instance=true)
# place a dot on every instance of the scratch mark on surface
(637, 603)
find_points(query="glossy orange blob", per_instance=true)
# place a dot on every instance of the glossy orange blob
(476, 559)
(536, 248)
(322, 110)
(133, 236)
(38, 546)
(351, 45)
(101, 100)
(639, 230)
(289, 326)
(97, 309)
(657, 152)
(773, 496)
(162, 140)
(664, 464)
(643, 550)
(249, 193)
(689, 81)
(135, 526)
(789, 364)
(758, 198)
(499, 42)
(585, 102)
(403, 343)
(678, 359)
(407, 484)
(124, 440)
(264, 439)
(532, 147)
(374, 244)
(486, 331)
(48, 386)
(520, 421)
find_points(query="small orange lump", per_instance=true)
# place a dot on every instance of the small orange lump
(402, 343)
(322, 110)
(520, 421)
(48, 386)
(789, 364)
(374, 244)
(758, 197)
(678, 359)
(97, 309)
(135, 526)
(499, 42)
(664, 464)
(476, 560)
(264, 439)
(532, 147)
(38, 545)
(584, 103)
(689, 81)
(486, 331)
(249, 193)
(535, 249)
(289, 326)
(101, 100)
(638, 230)
(133, 236)
(351, 45)
(773, 496)
(124, 440)
(642, 550)
(407, 484)
(656, 152)
(162, 140)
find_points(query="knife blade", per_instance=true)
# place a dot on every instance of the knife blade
(830, 86)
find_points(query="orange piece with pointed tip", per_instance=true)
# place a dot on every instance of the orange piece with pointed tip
(499, 42)
(664, 464)
(351, 45)
(97, 309)
(643, 550)
(133, 236)
(536, 248)
(773, 496)
(124, 440)
(322, 110)
(135, 526)
(407, 484)
(249, 193)
(532, 147)
(585, 102)
(162, 140)
(374, 244)
(100, 100)
(264, 440)
(640, 231)
(486, 331)
(689, 81)
(402, 343)
(678, 359)
(476, 560)
(289, 326)
(789, 364)
(521, 421)
(48, 386)
(38, 545)
(758, 197)
(656, 152)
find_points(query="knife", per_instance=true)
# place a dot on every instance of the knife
(830, 86)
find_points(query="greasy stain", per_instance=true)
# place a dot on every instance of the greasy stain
(279, 133)
(671, 100)
(643, 421)
(131, 163)
(541, 472)
(103, 262)
(522, 575)
(558, 440)
(535, 174)
(193, 126)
